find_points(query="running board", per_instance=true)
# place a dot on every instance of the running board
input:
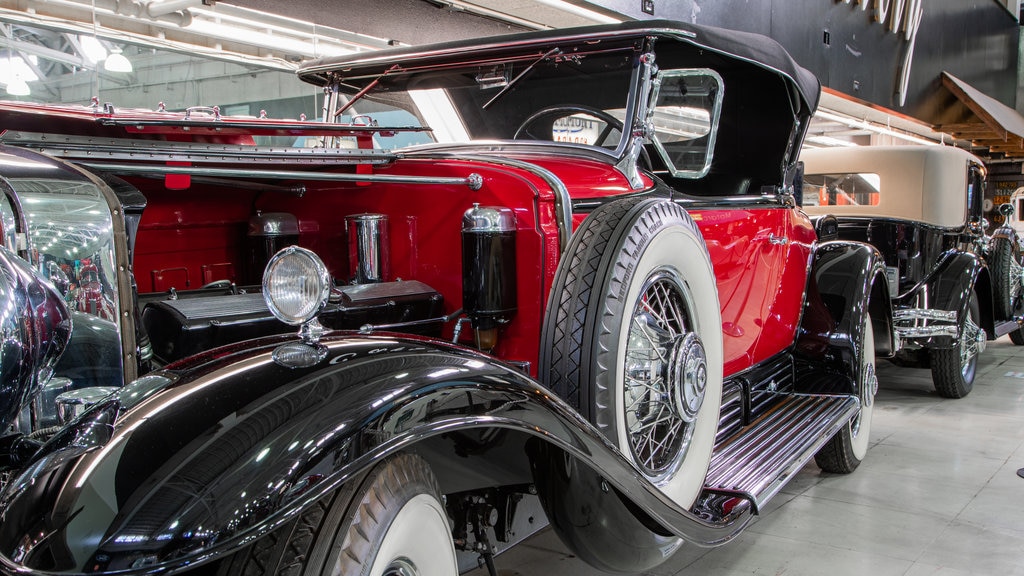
(756, 462)
(1004, 328)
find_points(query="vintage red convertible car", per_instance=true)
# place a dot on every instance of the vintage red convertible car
(555, 277)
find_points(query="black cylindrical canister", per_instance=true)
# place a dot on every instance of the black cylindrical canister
(268, 233)
(489, 265)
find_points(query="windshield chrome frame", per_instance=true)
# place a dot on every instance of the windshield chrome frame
(716, 112)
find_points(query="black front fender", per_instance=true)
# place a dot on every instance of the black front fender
(188, 464)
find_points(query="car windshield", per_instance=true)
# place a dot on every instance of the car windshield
(577, 98)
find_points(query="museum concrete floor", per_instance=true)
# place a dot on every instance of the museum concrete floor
(938, 494)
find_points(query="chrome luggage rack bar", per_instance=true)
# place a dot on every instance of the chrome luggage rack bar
(148, 158)
(473, 181)
(927, 322)
(77, 148)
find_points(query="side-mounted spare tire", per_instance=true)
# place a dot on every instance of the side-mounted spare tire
(1006, 263)
(632, 339)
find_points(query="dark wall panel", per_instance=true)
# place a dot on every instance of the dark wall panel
(842, 43)
(975, 40)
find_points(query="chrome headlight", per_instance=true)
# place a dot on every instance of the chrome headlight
(296, 285)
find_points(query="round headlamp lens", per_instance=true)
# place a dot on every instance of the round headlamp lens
(296, 285)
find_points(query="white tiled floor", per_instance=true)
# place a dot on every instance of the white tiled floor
(937, 495)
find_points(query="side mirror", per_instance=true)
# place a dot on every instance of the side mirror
(798, 183)
(827, 228)
(1006, 210)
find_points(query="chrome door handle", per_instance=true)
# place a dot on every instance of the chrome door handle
(779, 240)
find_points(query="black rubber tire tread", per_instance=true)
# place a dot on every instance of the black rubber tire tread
(947, 371)
(283, 550)
(837, 455)
(1002, 260)
(564, 356)
(344, 527)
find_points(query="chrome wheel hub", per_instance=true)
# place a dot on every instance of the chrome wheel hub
(869, 387)
(689, 371)
(401, 567)
(665, 377)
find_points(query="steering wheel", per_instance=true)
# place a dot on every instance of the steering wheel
(222, 284)
(554, 112)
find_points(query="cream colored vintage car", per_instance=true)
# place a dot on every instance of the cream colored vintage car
(953, 285)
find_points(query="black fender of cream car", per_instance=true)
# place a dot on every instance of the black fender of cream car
(188, 464)
(949, 287)
(847, 283)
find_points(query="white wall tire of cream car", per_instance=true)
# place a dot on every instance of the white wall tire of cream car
(844, 451)
(633, 339)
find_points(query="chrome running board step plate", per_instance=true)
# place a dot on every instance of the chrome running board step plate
(1004, 328)
(757, 461)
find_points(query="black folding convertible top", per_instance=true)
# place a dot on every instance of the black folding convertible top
(754, 48)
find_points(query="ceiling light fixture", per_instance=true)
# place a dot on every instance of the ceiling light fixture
(92, 49)
(18, 87)
(117, 62)
(16, 84)
(581, 11)
(873, 127)
(830, 141)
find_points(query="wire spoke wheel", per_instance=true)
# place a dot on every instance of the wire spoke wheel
(972, 344)
(954, 369)
(665, 377)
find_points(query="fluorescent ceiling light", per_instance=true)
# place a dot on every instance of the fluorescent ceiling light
(829, 141)
(873, 127)
(439, 112)
(580, 11)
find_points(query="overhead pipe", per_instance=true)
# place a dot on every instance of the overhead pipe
(171, 11)
(157, 8)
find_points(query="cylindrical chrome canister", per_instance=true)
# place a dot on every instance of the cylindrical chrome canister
(367, 248)
(44, 403)
(72, 404)
(489, 265)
